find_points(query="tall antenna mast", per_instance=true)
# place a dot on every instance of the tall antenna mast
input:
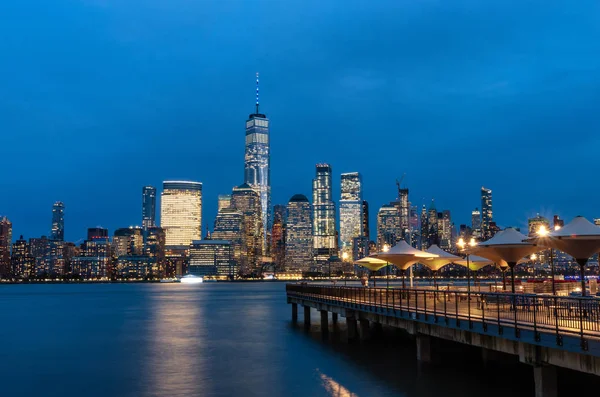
(256, 92)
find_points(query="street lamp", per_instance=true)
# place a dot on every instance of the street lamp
(462, 244)
(345, 259)
(543, 232)
(385, 248)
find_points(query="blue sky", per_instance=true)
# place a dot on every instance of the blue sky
(100, 97)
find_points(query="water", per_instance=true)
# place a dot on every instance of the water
(211, 339)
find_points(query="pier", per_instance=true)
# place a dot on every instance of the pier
(545, 332)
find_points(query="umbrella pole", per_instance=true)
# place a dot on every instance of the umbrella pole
(581, 263)
(403, 277)
(503, 279)
(512, 276)
(435, 279)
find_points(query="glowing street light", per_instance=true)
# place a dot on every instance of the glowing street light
(462, 244)
(543, 232)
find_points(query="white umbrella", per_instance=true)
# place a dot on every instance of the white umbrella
(373, 264)
(579, 238)
(509, 246)
(403, 256)
(444, 258)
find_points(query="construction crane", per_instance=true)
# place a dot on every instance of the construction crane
(398, 182)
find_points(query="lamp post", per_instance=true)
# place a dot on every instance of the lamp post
(345, 260)
(543, 232)
(385, 248)
(533, 258)
(462, 245)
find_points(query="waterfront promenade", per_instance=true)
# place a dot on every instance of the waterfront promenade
(543, 331)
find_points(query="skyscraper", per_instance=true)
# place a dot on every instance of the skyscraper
(476, 223)
(23, 263)
(211, 258)
(58, 222)
(181, 212)
(229, 226)
(534, 224)
(278, 236)
(148, 207)
(486, 213)
(445, 230)
(404, 208)
(128, 241)
(298, 237)
(433, 237)
(247, 201)
(388, 226)
(5, 244)
(325, 241)
(224, 201)
(351, 223)
(257, 163)
(365, 220)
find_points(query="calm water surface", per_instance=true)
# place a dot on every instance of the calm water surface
(212, 339)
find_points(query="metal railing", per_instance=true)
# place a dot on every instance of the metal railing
(561, 316)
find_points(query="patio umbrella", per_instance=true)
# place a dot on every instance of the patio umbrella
(403, 256)
(444, 258)
(509, 246)
(373, 264)
(579, 238)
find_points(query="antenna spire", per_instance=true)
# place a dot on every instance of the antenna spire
(257, 93)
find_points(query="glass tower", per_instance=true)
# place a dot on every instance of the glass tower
(5, 245)
(351, 222)
(299, 236)
(246, 200)
(388, 226)
(181, 212)
(325, 241)
(486, 212)
(257, 163)
(58, 222)
(148, 207)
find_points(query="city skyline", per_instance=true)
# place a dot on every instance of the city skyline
(91, 118)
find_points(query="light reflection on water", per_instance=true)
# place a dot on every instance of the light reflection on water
(211, 339)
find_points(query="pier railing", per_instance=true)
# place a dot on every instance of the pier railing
(560, 316)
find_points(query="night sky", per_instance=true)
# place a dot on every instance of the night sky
(101, 97)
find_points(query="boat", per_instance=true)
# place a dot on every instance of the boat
(169, 280)
(191, 279)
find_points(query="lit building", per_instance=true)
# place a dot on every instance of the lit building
(23, 263)
(94, 260)
(136, 266)
(224, 201)
(155, 243)
(278, 236)
(257, 165)
(325, 239)
(128, 242)
(148, 207)
(534, 224)
(245, 200)
(558, 223)
(5, 245)
(360, 248)
(389, 230)
(299, 234)
(445, 230)
(229, 226)
(486, 213)
(58, 222)
(211, 258)
(424, 228)
(365, 220)
(53, 261)
(433, 236)
(181, 212)
(476, 224)
(404, 208)
(351, 211)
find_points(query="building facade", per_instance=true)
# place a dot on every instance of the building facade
(229, 226)
(299, 235)
(148, 207)
(181, 212)
(128, 242)
(476, 224)
(224, 201)
(486, 213)
(278, 236)
(5, 245)
(211, 258)
(58, 222)
(325, 239)
(257, 164)
(351, 211)
(365, 219)
(245, 200)
(389, 230)
(23, 263)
